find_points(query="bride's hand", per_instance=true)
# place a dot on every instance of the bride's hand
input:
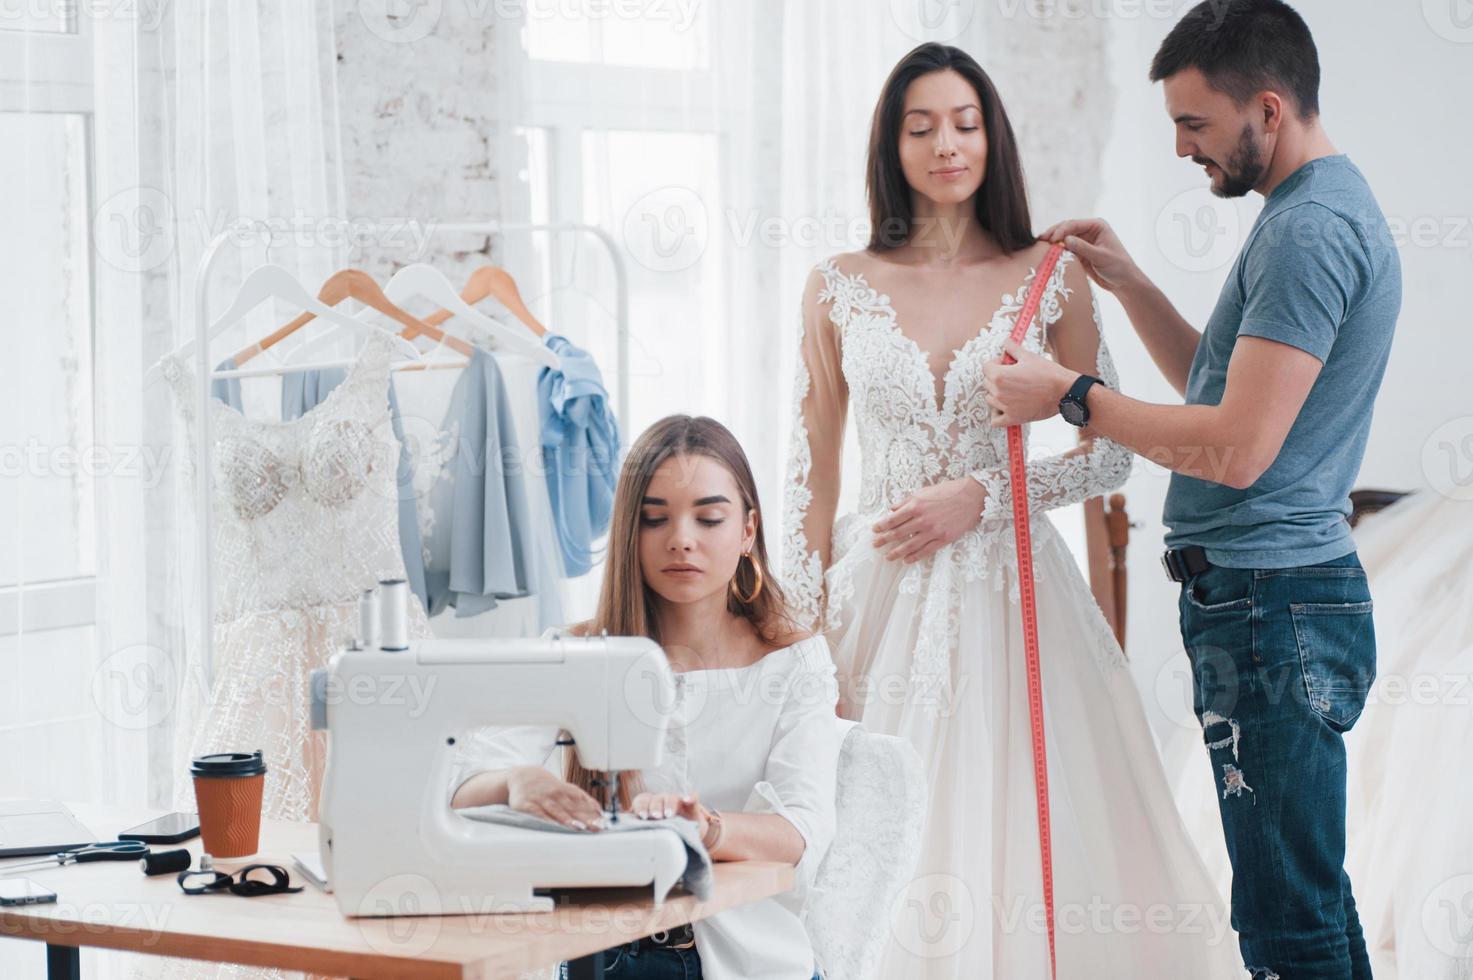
(1098, 249)
(925, 522)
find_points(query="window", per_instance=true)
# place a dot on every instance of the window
(620, 133)
(47, 466)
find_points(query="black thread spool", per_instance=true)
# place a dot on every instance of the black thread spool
(166, 862)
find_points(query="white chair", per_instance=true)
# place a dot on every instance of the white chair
(881, 814)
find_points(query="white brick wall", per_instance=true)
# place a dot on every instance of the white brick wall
(419, 122)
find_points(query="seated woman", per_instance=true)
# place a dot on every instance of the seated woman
(753, 742)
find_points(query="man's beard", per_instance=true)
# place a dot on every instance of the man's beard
(1244, 167)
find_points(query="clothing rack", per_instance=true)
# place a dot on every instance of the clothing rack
(203, 369)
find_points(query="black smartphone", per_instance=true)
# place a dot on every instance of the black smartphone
(24, 891)
(171, 828)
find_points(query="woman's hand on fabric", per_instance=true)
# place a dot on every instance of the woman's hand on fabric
(658, 806)
(534, 790)
(927, 521)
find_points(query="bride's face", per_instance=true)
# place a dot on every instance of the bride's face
(943, 147)
(692, 529)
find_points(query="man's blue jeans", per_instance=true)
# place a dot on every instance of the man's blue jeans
(1282, 663)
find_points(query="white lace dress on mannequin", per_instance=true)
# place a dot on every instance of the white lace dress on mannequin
(933, 651)
(304, 517)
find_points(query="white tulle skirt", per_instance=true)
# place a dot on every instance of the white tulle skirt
(1132, 897)
(1409, 853)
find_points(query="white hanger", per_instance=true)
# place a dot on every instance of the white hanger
(421, 279)
(271, 281)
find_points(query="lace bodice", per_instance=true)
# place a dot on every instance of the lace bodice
(852, 351)
(304, 512)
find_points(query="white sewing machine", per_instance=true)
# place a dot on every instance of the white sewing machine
(394, 710)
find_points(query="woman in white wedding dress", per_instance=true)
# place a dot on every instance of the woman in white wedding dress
(917, 590)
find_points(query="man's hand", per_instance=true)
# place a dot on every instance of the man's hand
(1099, 251)
(929, 520)
(1026, 391)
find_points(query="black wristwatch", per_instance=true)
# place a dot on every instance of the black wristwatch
(1072, 405)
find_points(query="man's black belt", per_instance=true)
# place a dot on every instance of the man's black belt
(1182, 563)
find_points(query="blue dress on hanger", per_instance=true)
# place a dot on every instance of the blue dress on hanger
(478, 548)
(580, 449)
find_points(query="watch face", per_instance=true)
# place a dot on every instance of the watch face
(1073, 412)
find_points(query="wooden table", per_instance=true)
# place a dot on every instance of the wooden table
(115, 906)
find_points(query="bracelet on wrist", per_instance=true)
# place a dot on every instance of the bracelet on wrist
(715, 830)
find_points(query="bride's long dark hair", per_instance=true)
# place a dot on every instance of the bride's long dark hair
(1001, 201)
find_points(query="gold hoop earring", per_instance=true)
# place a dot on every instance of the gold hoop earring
(757, 589)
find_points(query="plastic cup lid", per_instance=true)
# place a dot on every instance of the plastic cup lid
(229, 764)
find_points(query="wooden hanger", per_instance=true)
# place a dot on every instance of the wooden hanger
(488, 280)
(349, 284)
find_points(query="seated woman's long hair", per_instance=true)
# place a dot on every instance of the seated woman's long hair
(627, 606)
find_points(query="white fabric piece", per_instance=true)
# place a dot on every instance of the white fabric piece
(880, 811)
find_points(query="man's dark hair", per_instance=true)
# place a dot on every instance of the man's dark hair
(1243, 47)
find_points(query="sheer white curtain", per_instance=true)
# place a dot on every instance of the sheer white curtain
(133, 134)
(210, 117)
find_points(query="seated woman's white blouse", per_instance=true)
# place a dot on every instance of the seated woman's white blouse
(759, 739)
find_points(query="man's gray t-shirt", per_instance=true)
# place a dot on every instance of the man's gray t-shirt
(1319, 272)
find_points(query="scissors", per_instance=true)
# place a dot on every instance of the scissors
(112, 850)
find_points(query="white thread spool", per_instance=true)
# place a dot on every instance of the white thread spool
(393, 614)
(368, 619)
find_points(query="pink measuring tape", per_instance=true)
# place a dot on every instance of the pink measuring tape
(1018, 477)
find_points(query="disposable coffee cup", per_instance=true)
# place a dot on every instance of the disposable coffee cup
(228, 788)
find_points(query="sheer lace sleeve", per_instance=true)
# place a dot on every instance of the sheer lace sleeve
(811, 487)
(1094, 467)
